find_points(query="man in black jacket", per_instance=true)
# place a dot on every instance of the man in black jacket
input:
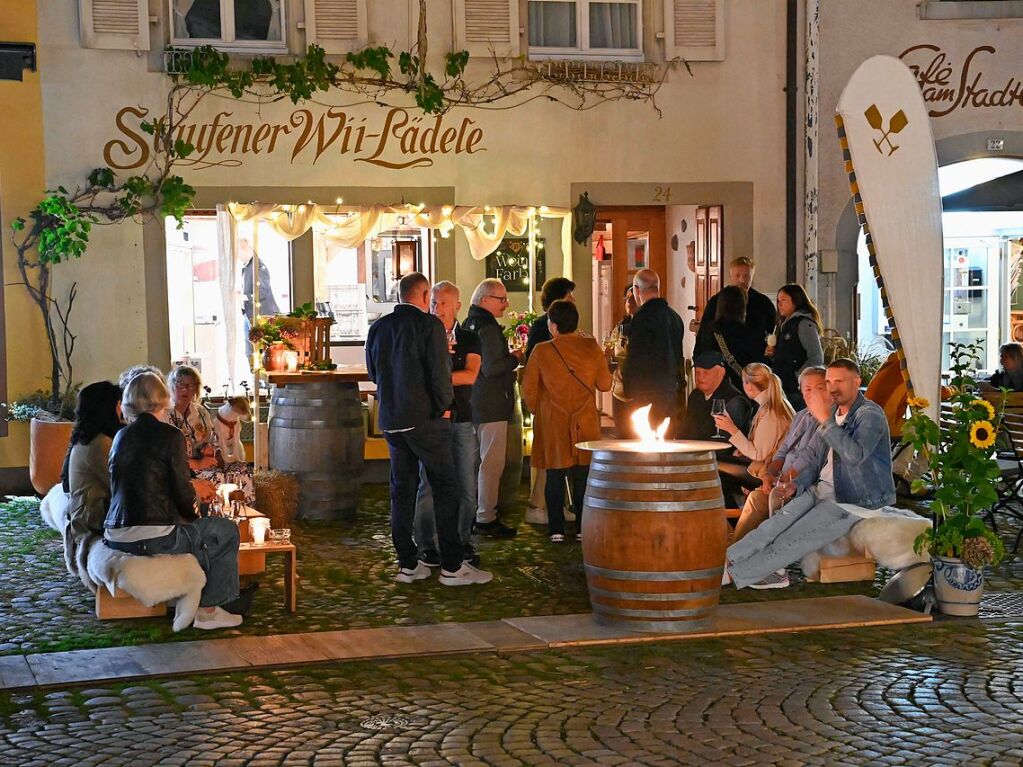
(407, 358)
(493, 401)
(652, 370)
(761, 314)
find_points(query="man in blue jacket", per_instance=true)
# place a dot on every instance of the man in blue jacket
(407, 358)
(847, 470)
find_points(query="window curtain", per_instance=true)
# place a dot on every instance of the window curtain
(552, 25)
(229, 271)
(484, 227)
(613, 25)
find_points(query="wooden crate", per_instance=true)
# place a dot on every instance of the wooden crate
(313, 341)
(124, 605)
(847, 569)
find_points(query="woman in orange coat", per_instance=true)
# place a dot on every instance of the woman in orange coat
(559, 386)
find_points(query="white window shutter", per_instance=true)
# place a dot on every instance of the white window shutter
(487, 28)
(337, 26)
(695, 29)
(114, 24)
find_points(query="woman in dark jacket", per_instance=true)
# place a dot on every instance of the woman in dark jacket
(729, 335)
(152, 505)
(555, 289)
(798, 341)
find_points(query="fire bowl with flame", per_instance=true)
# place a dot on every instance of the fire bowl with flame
(654, 530)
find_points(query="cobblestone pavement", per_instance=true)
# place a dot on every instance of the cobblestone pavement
(944, 694)
(346, 581)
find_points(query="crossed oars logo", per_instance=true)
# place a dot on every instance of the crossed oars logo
(897, 122)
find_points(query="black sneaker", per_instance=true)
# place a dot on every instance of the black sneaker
(430, 559)
(241, 604)
(495, 529)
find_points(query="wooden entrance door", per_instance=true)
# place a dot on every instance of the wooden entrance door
(638, 241)
(709, 250)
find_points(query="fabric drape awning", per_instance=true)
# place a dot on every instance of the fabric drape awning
(483, 227)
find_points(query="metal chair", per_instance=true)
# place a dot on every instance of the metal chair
(1010, 461)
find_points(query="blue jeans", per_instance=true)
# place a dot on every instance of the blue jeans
(214, 542)
(428, 446)
(463, 451)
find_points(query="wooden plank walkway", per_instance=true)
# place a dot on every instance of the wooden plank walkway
(511, 635)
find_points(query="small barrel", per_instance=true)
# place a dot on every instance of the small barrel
(654, 538)
(318, 434)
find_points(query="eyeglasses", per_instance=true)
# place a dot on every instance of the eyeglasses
(502, 299)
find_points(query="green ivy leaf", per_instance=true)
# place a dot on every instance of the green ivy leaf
(455, 63)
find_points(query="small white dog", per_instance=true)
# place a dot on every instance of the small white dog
(230, 415)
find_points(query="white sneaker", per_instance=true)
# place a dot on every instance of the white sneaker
(417, 573)
(726, 579)
(466, 575)
(557, 538)
(218, 619)
(778, 580)
(536, 516)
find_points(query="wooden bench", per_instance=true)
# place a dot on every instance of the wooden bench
(846, 569)
(124, 605)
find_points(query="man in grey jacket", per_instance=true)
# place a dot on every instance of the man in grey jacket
(846, 472)
(493, 401)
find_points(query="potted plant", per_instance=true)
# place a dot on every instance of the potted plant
(958, 459)
(273, 336)
(50, 433)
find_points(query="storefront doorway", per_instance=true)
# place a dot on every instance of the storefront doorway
(983, 260)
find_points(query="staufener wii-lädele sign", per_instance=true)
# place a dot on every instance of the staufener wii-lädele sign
(400, 139)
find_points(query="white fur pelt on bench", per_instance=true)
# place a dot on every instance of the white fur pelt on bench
(886, 537)
(151, 580)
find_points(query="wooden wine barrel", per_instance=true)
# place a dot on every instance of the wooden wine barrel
(318, 434)
(654, 538)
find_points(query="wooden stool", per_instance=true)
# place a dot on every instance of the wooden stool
(847, 569)
(290, 567)
(124, 605)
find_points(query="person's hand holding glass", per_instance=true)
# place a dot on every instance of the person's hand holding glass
(717, 410)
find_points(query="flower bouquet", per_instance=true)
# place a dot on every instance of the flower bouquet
(517, 332)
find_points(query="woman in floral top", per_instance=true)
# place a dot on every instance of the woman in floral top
(196, 423)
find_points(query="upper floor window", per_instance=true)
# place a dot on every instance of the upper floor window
(586, 29)
(232, 24)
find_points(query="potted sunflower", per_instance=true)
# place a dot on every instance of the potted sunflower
(959, 465)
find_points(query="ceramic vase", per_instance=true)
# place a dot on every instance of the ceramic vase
(957, 586)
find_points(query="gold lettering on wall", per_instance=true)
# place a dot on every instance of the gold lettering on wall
(402, 140)
(947, 86)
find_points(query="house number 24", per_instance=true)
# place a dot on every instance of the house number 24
(662, 194)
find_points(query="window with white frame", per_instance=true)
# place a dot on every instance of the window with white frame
(243, 25)
(586, 29)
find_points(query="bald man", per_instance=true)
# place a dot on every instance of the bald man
(652, 370)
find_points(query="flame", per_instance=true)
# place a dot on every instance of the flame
(641, 425)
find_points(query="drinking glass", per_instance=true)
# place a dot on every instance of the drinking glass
(717, 407)
(238, 509)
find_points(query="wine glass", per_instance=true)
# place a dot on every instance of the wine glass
(717, 407)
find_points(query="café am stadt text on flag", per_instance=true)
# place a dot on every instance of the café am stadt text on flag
(889, 155)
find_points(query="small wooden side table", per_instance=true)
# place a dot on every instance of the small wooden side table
(290, 567)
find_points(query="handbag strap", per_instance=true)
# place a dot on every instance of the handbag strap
(735, 366)
(569, 368)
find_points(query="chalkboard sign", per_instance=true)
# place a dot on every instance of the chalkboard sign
(510, 264)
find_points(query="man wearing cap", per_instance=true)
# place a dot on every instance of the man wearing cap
(652, 370)
(712, 384)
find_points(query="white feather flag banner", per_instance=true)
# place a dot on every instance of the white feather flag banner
(889, 155)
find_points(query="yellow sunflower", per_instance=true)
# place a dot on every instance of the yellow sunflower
(987, 406)
(982, 434)
(920, 403)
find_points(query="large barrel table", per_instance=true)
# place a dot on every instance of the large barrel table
(317, 433)
(654, 534)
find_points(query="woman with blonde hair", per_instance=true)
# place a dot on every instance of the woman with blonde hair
(770, 425)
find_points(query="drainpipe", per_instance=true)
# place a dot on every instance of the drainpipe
(791, 136)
